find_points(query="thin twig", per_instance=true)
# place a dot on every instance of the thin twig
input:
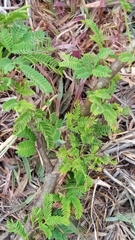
(92, 204)
(118, 182)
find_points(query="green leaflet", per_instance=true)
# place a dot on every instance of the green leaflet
(102, 55)
(16, 228)
(22, 48)
(45, 128)
(18, 30)
(66, 207)
(44, 228)
(34, 38)
(24, 89)
(10, 17)
(53, 220)
(45, 59)
(26, 148)
(127, 57)
(6, 39)
(27, 133)
(23, 105)
(37, 79)
(21, 122)
(59, 234)
(77, 206)
(101, 71)
(5, 83)
(98, 37)
(110, 114)
(6, 65)
(10, 104)
(47, 206)
(125, 5)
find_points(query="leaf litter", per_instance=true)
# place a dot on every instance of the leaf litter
(108, 207)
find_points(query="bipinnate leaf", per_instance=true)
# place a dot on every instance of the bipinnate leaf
(54, 220)
(46, 130)
(127, 57)
(45, 229)
(21, 122)
(101, 71)
(9, 105)
(77, 206)
(37, 78)
(16, 228)
(47, 205)
(27, 133)
(6, 39)
(110, 114)
(26, 148)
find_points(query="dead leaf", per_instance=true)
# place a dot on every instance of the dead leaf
(101, 183)
(94, 4)
(21, 186)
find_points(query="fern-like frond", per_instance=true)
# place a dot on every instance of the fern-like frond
(45, 128)
(65, 167)
(54, 220)
(24, 89)
(127, 57)
(77, 206)
(5, 84)
(18, 30)
(101, 71)
(79, 177)
(22, 48)
(6, 39)
(110, 114)
(66, 207)
(47, 206)
(17, 228)
(37, 79)
(59, 234)
(23, 105)
(15, 15)
(45, 59)
(81, 67)
(72, 189)
(70, 62)
(36, 215)
(34, 37)
(103, 54)
(99, 37)
(21, 122)
(27, 133)
(102, 130)
(26, 148)
(9, 105)
(45, 229)
(76, 111)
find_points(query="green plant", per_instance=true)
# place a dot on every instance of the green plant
(17, 228)
(80, 153)
(19, 48)
(51, 222)
(88, 64)
(9, 18)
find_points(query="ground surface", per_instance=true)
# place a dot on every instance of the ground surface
(114, 189)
